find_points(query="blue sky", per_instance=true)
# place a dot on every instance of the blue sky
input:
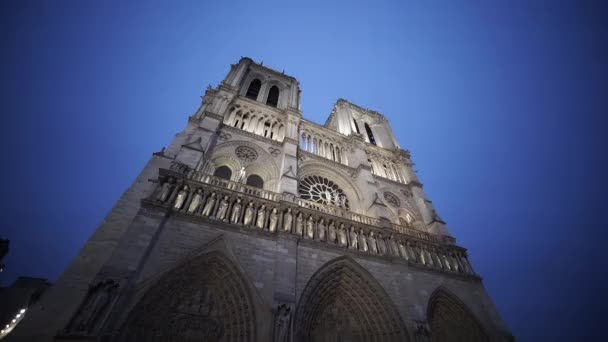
(500, 103)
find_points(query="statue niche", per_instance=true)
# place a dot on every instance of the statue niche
(91, 314)
(205, 299)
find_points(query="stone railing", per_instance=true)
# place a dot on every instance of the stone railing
(237, 204)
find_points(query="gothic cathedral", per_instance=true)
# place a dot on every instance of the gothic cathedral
(256, 224)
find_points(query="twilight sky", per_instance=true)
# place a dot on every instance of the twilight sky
(500, 103)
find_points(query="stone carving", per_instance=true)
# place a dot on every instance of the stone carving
(261, 220)
(310, 229)
(246, 153)
(224, 136)
(287, 220)
(181, 198)
(421, 332)
(197, 201)
(274, 151)
(282, 324)
(93, 309)
(362, 241)
(321, 230)
(299, 225)
(331, 235)
(274, 218)
(392, 199)
(241, 176)
(381, 245)
(403, 251)
(354, 243)
(373, 248)
(342, 238)
(166, 188)
(209, 205)
(223, 209)
(322, 190)
(248, 219)
(393, 246)
(236, 211)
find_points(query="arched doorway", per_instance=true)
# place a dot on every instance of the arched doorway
(206, 299)
(343, 302)
(451, 321)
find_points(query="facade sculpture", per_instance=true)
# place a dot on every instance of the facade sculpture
(256, 224)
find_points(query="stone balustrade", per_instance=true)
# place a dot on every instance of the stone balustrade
(229, 202)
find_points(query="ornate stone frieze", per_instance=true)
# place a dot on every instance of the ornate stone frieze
(256, 209)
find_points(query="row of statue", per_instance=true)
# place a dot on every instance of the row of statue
(310, 228)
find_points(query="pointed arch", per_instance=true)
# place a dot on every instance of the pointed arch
(254, 89)
(451, 321)
(342, 299)
(206, 298)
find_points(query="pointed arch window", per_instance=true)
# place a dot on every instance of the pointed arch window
(370, 135)
(273, 96)
(254, 89)
(356, 126)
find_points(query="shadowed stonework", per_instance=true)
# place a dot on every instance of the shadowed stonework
(255, 224)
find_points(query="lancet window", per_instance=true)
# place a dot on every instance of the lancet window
(256, 122)
(370, 135)
(322, 147)
(386, 168)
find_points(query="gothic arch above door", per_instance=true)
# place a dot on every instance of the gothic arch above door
(451, 321)
(205, 299)
(343, 302)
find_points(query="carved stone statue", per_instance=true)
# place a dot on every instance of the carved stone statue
(274, 218)
(165, 190)
(241, 176)
(95, 305)
(236, 211)
(381, 245)
(223, 209)
(321, 230)
(362, 241)
(196, 202)
(421, 332)
(331, 234)
(354, 243)
(261, 220)
(342, 238)
(209, 205)
(393, 245)
(282, 324)
(371, 241)
(181, 198)
(403, 251)
(310, 228)
(299, 225)
(248, 219)
(287, 220)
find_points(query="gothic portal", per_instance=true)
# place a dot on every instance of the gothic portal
(256, 224)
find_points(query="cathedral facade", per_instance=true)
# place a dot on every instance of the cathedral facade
(256, 224)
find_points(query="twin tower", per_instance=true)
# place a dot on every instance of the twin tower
(256, 224)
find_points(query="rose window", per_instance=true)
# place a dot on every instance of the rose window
(392, 199)
(322, 190)
(246, 154)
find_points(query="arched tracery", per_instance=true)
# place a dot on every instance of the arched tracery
(343, 302)
(451, 321)
(206, 299)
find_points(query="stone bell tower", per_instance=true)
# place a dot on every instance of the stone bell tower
(256, 224)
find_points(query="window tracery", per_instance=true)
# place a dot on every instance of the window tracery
(392, 199)
(246, 154)
(322, 190)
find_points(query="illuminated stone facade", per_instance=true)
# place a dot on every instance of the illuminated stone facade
(258, 225)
